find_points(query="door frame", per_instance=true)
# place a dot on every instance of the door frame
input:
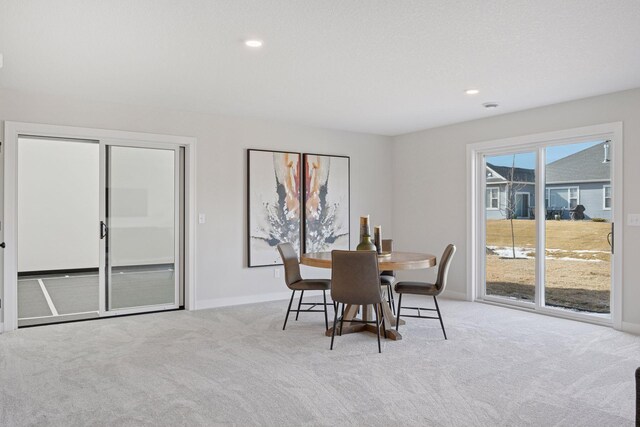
(524, 193)
(12, 130)
(104, 267)
(476, 182)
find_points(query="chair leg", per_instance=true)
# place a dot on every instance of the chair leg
(392, 303)
(288, 310)
(377, 307)
(299, 304)
(326, 318)
(440, 317)
(384, 327)
(398, 312)
(341, 319)
(335, 322)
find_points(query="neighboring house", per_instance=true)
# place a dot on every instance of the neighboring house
(583, 178)
(510, 192)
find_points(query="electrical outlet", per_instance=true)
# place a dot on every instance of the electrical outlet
(633, 220)
(276, 273)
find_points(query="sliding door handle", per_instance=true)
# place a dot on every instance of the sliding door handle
(3, 245)
(103, 230)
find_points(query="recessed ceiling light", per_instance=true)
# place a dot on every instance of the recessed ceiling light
(253, 43)
(490, 105)
(472, 91)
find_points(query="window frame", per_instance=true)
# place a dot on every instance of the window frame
(604, 197)
(490, 199)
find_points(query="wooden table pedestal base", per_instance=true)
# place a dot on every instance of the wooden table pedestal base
(349, 327)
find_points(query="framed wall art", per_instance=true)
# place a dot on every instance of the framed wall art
(273, 203)
(326, 202)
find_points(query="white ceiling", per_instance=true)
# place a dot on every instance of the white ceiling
(384, 67)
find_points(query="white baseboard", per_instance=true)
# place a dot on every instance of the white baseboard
(251, 299)
(454, 295)
(633, 328)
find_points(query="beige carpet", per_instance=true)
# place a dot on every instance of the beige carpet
(235, 366)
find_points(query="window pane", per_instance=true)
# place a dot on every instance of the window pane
(577, 255)
(573, 193)
(511, 228)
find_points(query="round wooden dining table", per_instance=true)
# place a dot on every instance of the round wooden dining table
(392, 261)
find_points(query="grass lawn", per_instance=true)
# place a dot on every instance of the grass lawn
(578, 267)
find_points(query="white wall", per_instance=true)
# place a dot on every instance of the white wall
(221, 273)
(430, 178)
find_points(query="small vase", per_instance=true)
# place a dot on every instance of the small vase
(366, 244)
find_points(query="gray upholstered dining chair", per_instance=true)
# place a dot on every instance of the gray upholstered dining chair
(355, 280)
(388, 277)
(428, 289)
(295, 282)
(638, 397)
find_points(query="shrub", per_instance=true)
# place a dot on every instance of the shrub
(598, 220)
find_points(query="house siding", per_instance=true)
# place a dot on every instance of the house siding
(501, 213)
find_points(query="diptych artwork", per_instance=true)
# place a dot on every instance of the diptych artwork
(326, 202)
(274, 211)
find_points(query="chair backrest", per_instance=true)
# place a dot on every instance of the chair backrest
(355, 278)
(387, 246)
(291, 265)
(443, 268)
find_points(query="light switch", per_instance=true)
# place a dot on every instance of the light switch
(633, 220)
(201, 218)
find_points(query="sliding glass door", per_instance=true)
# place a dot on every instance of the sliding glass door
(548, 227)
(141, 228)
(99, 228)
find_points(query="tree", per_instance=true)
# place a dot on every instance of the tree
(509, 208)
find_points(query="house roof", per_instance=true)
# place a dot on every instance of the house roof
(505, 174)
(584, 166)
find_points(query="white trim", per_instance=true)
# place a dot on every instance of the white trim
(604, 197)
(476, 182)
(252, 299)
(616, 146)
(47, 297)
(11, 132)
(632, 328)
(1, 327)
(541, 227)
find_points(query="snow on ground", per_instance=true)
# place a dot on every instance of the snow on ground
(507, 252)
